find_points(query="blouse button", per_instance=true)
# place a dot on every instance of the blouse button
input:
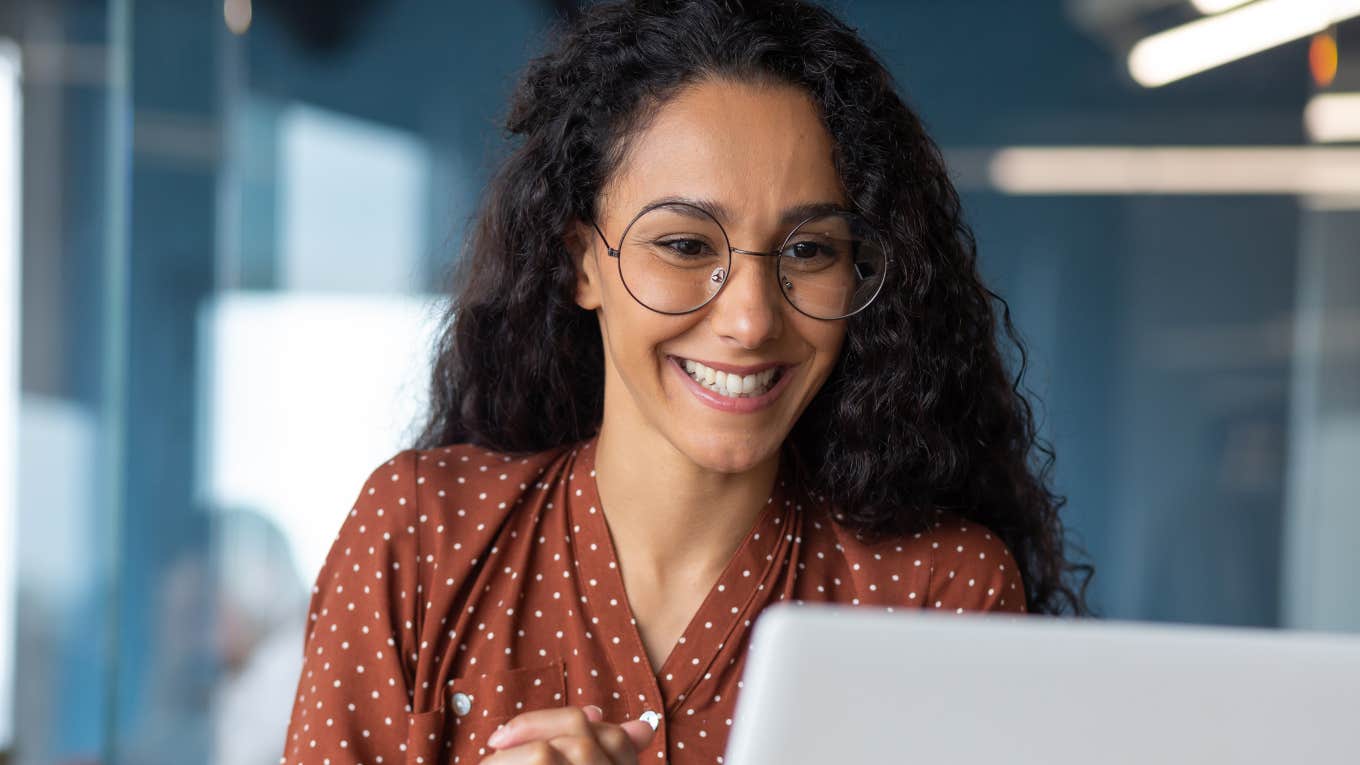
(462, 704)
(651, 718)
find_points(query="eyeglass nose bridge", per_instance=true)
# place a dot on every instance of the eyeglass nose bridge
(720, 274)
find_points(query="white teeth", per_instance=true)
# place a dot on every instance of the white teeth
(730, 385)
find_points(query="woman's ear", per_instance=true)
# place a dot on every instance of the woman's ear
(580, 238)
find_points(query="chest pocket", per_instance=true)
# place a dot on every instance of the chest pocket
(473, 706)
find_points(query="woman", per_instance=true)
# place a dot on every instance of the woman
(718, 341)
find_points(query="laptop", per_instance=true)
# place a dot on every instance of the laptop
(842, 684)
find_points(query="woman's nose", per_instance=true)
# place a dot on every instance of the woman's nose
(750, 309)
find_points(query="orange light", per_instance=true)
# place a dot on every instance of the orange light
(1322, 58)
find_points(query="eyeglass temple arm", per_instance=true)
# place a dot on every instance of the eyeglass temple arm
(613, 253)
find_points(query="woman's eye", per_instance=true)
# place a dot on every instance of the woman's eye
(687, 247)
(805, 250)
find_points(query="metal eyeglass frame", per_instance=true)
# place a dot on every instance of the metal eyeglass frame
(614, 253)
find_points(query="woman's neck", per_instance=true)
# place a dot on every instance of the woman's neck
(671, 519)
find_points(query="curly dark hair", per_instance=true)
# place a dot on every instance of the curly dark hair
(918, 416)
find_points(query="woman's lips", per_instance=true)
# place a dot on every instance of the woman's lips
(723, 403)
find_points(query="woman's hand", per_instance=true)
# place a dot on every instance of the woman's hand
(568, 736)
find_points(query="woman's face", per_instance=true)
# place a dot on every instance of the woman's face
(756, 151)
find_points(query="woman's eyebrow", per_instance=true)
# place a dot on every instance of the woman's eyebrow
(790, 216)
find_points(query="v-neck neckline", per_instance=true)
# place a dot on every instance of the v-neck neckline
(728, 608)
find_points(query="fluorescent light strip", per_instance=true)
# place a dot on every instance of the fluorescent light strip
(1216, 40)
(1303, 170)
(1331, 117)
(1210, 7)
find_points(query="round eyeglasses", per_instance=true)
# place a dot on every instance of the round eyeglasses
(674, 258)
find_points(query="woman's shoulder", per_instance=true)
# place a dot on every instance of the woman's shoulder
(424, 513)
(424, 502)
(960, 565)
(471, 468)
(466, 473)
(960, 543)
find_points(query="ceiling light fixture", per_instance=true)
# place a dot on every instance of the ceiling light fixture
(1331, 117)
(1183, 170)
(1216, 40)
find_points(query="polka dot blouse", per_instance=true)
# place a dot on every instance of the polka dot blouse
(467, 586)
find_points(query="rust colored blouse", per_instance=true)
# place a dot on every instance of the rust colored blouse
(467, 586)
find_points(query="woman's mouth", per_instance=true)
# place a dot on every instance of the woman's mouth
(731, 385)
(729, 391)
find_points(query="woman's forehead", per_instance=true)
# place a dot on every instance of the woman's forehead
(755, 148)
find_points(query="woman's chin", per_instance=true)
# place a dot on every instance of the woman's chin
(728, 454)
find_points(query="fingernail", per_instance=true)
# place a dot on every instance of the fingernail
(496, 737)
(598, 711)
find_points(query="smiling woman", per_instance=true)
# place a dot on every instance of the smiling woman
(718, 340)
(757, 170)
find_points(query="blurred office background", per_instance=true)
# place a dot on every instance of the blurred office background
(224, 228)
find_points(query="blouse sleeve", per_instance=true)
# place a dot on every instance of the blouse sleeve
(354, 693)
(973, 570)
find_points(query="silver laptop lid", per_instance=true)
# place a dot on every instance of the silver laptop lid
(840, 684)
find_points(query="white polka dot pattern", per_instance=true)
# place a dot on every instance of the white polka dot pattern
(467, 586)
